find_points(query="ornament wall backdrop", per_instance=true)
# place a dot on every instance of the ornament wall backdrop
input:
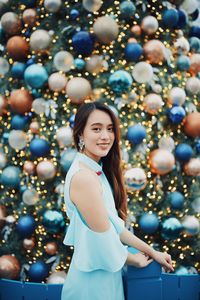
(140, 57)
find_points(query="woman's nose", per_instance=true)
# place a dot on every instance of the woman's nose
(104, 134)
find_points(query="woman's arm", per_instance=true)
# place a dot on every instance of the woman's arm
(131, 240)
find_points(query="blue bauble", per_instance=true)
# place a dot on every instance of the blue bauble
(176, 199)
(83, 43)
(18, 69)
(38, 271)
(67, 159)
(120, 81)
(74, 14)
(26, 226)
(171, 229)
(79, 63)
(35, 76)
(10, 177)
(133, 51)
(182, 19)
(183, 152)
(30, 61)
(18, 122)
(170, 17)
(136, 134)
(197, 146)
(53, 221)
(39, 147)
(71, 121)
(177, 114)
(181, 271)
(194, 44)
(183, 63)
(149, 223)
(195, 31)
(127, 9)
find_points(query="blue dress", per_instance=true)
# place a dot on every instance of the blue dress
(95, 272)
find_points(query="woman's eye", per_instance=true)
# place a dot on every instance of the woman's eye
(96, 129)
(110, 129)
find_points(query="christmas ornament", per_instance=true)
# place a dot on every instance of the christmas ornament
(92, 5)
(183, 63)
(196, 204)
(161, 161)
(136, 134)
(192, 168)
(18, 122)
(177, 114)
(193, 85)
(34, 127)
(39, 106)
(30, 197)
(38, 271)
(149, 25)
(170, 18)
(17, 48)
(40, 40)
(78, 89)
(52, 6)
(2, 216)
(127, 9)
(26, 226)
(17, 139)
(171, 228)
(149, 223)
(39, 147)
(63, 61)
(57, 82)
(194, 44)
(57, 278)
(29, 167)
(167, 143)
(192, 124)
(183, 152)
(133, 51)
(83, 43)
(94, 64)
(153, 103)
(191, 225)
(79, 63)
(177, 96)
(3, 160)
(20, 101)
(29, 244)
(120, 81)
(135, 179)
(9, 267)
(35, 76)
(51, 248)
(194, 64)
(142, 72)
(106, 29)
(176, 200)
(10, 177)
(154, 51)
(53, 221)
(3, 105)
(64, 136)
(11, 23)
(46, 170)
(29, 17)
(4, 66)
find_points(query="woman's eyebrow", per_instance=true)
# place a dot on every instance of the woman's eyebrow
(93, 124)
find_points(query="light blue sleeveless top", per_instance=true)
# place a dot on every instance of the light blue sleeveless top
(94, 250)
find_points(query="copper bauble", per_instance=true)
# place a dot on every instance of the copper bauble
(29, 17)
(3, 105)
(21, 101)
(17, 48)
(2, 215)
(51, 248)
(192, 124)
(11, 23)
(136, 30)
(46, 170)
(9, 267)
(29, 167)
(192, 168)
(154, 51)
(161, 161)
(195, 64)
(29, 244)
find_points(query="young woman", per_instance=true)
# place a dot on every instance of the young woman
(96, 205)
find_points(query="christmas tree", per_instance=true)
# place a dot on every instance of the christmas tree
(142, 58)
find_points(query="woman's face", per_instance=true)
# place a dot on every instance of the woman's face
(98, 135)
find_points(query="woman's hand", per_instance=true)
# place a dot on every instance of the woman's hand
(164, 259)
(139, 260)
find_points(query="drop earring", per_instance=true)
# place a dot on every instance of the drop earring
(81, 144)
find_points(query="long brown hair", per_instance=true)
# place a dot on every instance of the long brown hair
(112, 161)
